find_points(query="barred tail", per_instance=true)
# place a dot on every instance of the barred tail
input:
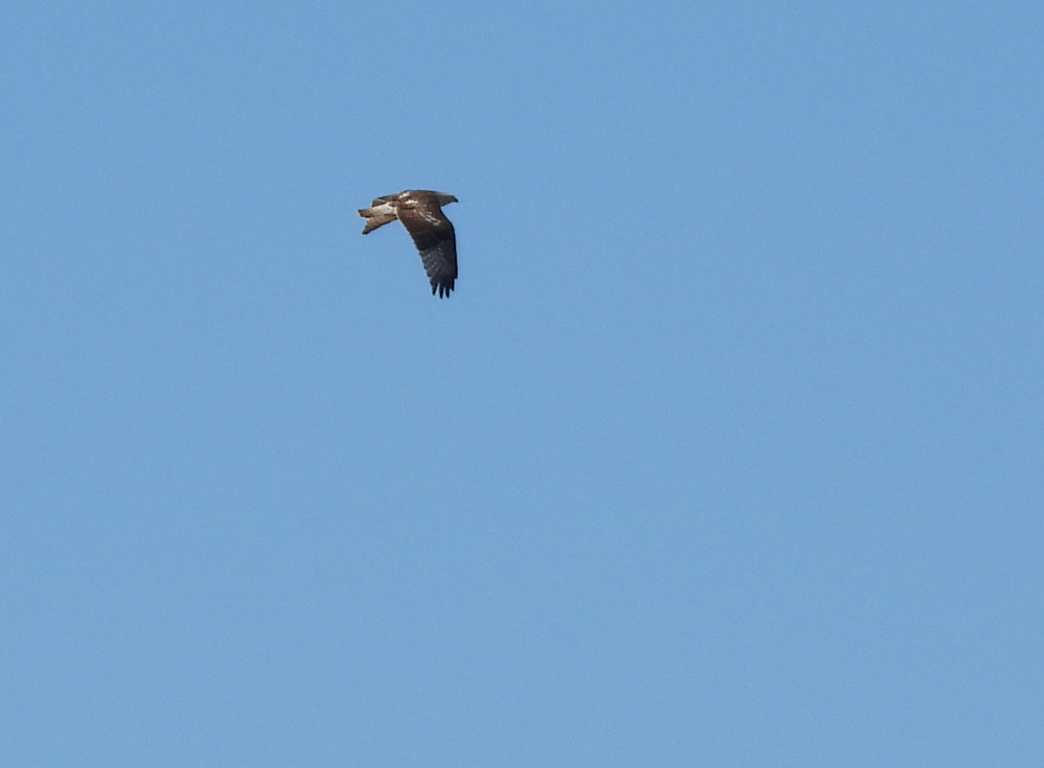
(376, 217)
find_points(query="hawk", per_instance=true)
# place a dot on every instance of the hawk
(420, 211)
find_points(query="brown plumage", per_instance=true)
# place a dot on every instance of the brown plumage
(420, 211)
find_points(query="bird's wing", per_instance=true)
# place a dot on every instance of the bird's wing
(434, 237)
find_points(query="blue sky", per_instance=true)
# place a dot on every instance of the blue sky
(728, 450)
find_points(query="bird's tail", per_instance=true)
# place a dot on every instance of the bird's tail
(375, 218)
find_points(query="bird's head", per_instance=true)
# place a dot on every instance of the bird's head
(445, 198)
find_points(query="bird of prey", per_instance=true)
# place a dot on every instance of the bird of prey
(420, 211)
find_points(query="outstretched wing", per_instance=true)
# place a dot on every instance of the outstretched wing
(434, 237)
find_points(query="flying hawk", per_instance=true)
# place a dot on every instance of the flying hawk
(420, 211)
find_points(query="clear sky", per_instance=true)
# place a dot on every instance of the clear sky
(728, 450)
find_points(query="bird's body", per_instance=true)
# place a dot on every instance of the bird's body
(420, 211)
